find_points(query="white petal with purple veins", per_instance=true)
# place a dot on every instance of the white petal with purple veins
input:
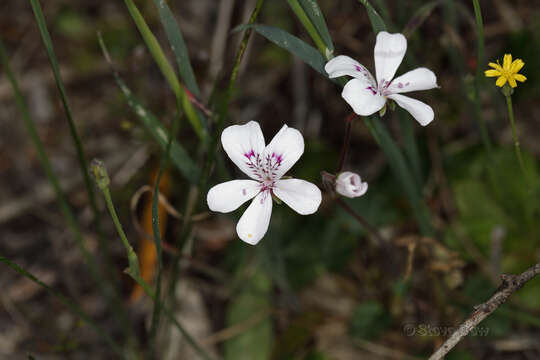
(414, 80)
(228, 196)
(363, 98)
(422, 112)
(302, 196)
(388, 53)
(243, 143)
(343, 65)
(283, 151)
(254, 222)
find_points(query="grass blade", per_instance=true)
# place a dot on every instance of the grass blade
(178, 46)
(419, 17)
(480, 76)
(74, 308)
(166, 69)
(51, 176)
(410, 145)
(155, 220)
(40, 20)
(404, 176)
(103, 181)
(178, 154)
(292, 44)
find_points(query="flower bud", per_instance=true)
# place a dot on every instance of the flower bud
(350, 185)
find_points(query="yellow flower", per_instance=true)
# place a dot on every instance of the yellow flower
(507, 72)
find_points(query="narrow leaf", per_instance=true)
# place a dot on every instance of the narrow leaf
(178, 46)
(165, 67)
(74, 308)
(377, 23)
(311, 7)
(179, 155)
(291, 43)
(403, 174)
(419, 17)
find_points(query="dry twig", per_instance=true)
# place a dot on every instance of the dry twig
(510, 284)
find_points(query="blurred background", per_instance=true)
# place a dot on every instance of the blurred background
(316, 287)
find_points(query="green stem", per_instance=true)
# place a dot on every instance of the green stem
(402, 172)
(133, 269)
(225, 105)
(155, 218)
(480, 76)
(304, 19)
(166, 69)
(51, 176)
(83, 164)
(514, 133)
(74, 308)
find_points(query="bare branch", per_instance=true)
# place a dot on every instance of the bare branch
(509, 285)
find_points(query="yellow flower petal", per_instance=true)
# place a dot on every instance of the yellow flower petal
(517, 65)
(492, 73)
(495, 66)
(501, 81)
(512, 81)
(507, 61)
(520, 77)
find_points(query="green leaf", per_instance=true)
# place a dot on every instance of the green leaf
(178, 46)
(291, 43)
(72, 306)
(250, 307)
(83, 164)
(377, 23)
(419, 17)
(166, 68)
(404, 175)
(311, 7)
(179, 155)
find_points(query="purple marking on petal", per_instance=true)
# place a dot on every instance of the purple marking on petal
(373, 91)
(244, 192)
(400, 85)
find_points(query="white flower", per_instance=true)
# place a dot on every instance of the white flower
(350, 185)
(244, 144)
(367, 96)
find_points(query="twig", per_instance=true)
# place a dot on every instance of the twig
(369, 228)
(510, 284)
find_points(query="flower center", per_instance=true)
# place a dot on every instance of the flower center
(264, 167)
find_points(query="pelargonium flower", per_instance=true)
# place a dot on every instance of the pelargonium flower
(266, 165)
(507, 72)
(367, 96)
(350, 184)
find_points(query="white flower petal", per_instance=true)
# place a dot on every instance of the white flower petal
(388, 53)
(422, 112)
(228, 196)
(301, 196)
(241, 140)
(362, 97)
(285, 149)
(343, 65)
(350, 184)
(414, 80)
(254, 222)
